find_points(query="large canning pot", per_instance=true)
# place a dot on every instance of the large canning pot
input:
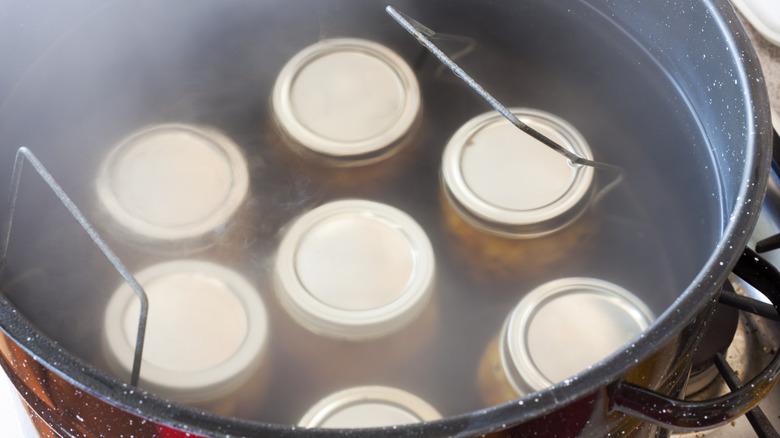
(670, 91)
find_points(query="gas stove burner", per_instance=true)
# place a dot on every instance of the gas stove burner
(716, 340)
(749, 343)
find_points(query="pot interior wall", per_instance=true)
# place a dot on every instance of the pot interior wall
(140, 63)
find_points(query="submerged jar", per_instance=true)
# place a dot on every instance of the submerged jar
(206, 335)
(512, 205)
(356, 278)
(345, 109)
(173, 187)
(556, 331)
(368, 406)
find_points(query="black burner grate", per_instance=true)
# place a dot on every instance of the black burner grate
(758, 420)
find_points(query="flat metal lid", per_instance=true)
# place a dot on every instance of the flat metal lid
(206, 326)
(368, 406)
(564, 326)
(173, 181)
(511, 183)
(354, 269)
(346, 97)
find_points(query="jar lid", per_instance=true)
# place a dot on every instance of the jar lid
(368, 406)
(346, 98)
(354, 269)
(173, 181)
(564, 326)
(507, 182)
(206, 328)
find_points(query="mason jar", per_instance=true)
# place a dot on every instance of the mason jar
(206, 336)
(556, 331)
(173, 188)
(512, 206)
(368, 406)
(345, 110)
(355, 279)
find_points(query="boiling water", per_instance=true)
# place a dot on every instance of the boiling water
(214, 64)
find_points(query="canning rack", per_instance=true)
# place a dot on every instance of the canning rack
(24, 154)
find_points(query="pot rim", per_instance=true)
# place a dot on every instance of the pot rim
(694, 300)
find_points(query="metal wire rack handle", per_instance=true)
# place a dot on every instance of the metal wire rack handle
(423, 34)
(24, 153)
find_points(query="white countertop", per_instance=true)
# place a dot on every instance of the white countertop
(769, 57)
(13, 422)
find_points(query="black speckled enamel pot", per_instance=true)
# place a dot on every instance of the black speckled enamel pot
(673, 85)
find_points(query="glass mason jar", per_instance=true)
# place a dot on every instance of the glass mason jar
(356, 280)
(345, 109)
(512, 206)
(368, 406)
(206, 335)
(556, 331)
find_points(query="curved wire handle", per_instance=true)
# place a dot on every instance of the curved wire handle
(24, 153)
(423, 34)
